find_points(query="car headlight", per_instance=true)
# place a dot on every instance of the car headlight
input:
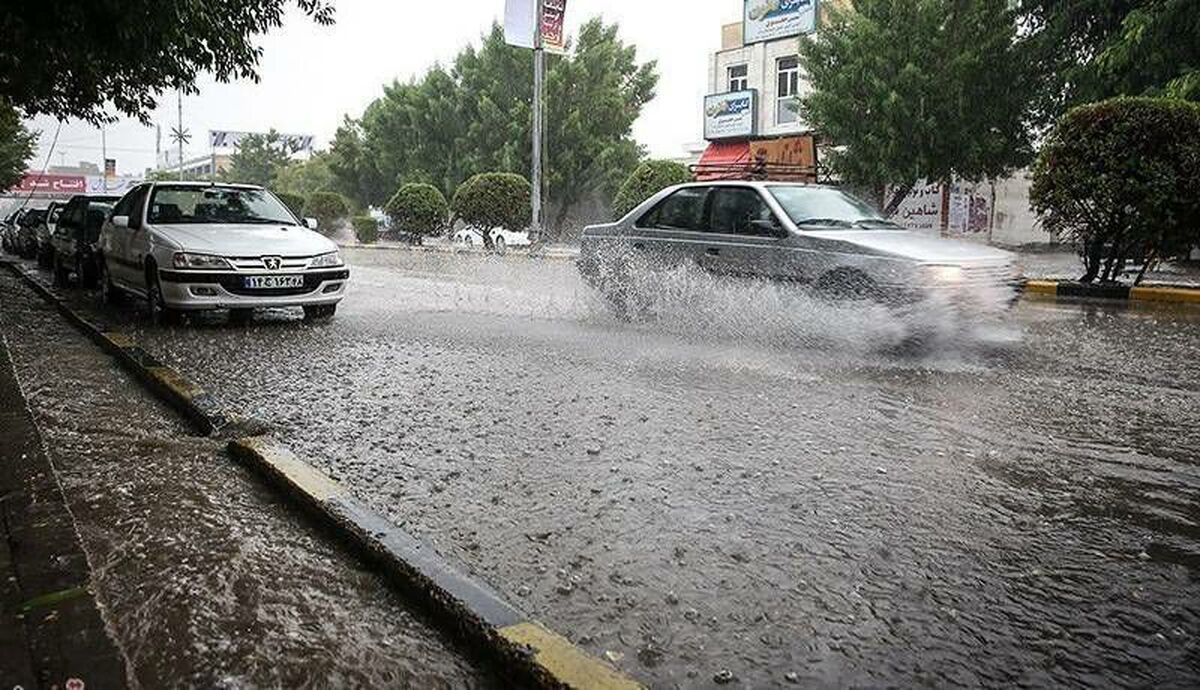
(944, 274)
(186, 260)
(326, 260)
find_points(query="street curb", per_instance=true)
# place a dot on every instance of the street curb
(1069, 289)
(458, 251)
(474, 610)
(205, 414)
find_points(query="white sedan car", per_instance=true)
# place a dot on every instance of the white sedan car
(502, 239)
(197, 246)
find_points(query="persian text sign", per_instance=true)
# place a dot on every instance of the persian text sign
(731, 115)
(52, 184)
(921, 210)
(554, 33)
(520, 24)
(767, 20)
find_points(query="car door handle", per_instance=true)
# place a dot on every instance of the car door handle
(712, 251)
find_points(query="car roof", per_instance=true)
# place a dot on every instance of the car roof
(193, 183)
(756, 184)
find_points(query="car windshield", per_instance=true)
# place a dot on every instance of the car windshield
(216, 206)
(828, 208)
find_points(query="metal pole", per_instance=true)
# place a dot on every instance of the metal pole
(180, 102)
(104, 158)
(539, 77)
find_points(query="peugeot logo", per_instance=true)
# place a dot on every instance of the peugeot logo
(273, 263)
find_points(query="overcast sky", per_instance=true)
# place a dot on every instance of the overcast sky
(312, 76)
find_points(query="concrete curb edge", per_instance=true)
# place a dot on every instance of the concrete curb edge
(206, 415)
(1068, 289)
(456, 251)
(475, 611)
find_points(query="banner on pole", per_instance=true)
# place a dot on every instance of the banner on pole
(520, 23)
(290, 143)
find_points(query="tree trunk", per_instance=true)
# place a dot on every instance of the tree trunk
(898, 198)
(1092, 253)
(1150, 258)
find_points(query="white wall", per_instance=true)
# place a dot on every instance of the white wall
(1013, 221)
(761, 60)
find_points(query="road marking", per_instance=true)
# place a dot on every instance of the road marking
(566, 663)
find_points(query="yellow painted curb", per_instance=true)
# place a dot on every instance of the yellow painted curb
(566, 663)
(176, 382)
(1164, 294)
(1042, 287)
(119, 339)
(300, 474)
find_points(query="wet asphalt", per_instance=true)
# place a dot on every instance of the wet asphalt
(753, 486)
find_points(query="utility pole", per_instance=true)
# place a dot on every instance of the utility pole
(181, 132)
(104, 157)
(539, 78)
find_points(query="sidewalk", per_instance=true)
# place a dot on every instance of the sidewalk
(51, 631)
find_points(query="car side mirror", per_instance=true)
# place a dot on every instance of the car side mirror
(770, 228)
(120, 221)
(310, 223)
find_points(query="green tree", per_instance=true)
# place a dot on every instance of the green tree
(650, 178)
(918, 89)
(1119, 178)
(329, 208)
(84, 56)
(418, 209)
(491, 200)
(475, 117)
(258, 160)
(16, 146)
(366, 229)
(305, 177)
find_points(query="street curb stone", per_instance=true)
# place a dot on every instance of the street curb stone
(1070, 289)
(475, 611)
(203, 411)
(569, 255)
(532, 652)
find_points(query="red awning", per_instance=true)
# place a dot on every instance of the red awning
(723, 160)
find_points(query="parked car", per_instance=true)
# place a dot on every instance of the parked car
(27, 227)
(45, 230)
(199, 246)
(74, 245)
(815, 235)
(8, 231)
(502, 239)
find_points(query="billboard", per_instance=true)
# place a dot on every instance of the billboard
(42, 183)
(231, 140)
(731, 115)
(520, 23)
(768, 20)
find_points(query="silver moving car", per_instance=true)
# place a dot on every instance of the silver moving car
(814, 235)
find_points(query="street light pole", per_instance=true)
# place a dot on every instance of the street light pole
(539, 78)
(180, 111)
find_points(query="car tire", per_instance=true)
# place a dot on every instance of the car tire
(160, 313)
(500, 244)
(109, 292)
(61, 275)
(319, 312)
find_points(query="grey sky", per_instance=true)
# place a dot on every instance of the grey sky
(312, 75)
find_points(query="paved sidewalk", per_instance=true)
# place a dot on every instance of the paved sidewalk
(51, 631)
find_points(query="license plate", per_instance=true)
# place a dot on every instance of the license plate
(272, 282)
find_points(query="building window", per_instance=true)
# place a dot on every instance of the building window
(786, 110)
(739, 78)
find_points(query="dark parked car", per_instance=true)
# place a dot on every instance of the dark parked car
(75, 238)
(8, 231)
(45, 251)
(27, 232)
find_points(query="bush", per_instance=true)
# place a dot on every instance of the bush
(1118, 178)
(366, 229)
(295, 202)
(329, 208)
(650, 178)
(418, 209)
(494, 199)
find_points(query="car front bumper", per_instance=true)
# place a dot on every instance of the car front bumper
(195, 290)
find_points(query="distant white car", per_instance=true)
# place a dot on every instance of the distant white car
(195, 246)
(502, 239)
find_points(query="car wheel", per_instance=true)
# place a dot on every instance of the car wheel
(109, 293)
(160, 313)
(500, 244)
(320, 312)
(60, 272)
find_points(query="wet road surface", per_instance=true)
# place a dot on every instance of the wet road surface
(748, 486)
(207, 577)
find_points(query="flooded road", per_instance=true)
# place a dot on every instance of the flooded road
(747, 486)
(206, 576)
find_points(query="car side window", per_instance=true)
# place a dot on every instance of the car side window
(735, 208)
(683, 210)
(131, 203)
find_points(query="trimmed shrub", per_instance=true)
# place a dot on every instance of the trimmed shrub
(494, 199)
(648, 179)
(366, 229)
(1118, 178)
(329, 208)
(295, 202)
(418, 209)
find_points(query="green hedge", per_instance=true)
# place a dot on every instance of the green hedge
(329, 208)
(295, 202)
(366, 229)
(418, 209)
(1120, 179)
(489, 200)
(650, 178)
